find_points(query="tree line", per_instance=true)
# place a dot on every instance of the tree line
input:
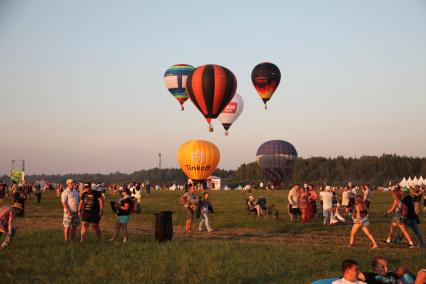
(377, 171)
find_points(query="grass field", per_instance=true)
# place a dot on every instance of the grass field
(243, 249)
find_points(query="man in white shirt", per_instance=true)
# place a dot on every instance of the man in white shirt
(366, 195)
(70, 199)
(350, 273)
(327, 203)
(293, 201)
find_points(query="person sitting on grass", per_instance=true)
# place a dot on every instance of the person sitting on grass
(335, 217)
(90, 209)
(350, 273)
(381, 274)
(7, 217)
(123, 206)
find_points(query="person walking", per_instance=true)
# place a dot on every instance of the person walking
(205, 208)
(7, 218)
(411, 219)
(417, 197)
(398, 218)
(361, 221)
(90, 209)
(123, 206)
(70, 200)
(189, 201)
(366, 195)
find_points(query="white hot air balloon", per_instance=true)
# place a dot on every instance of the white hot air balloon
(231, 112)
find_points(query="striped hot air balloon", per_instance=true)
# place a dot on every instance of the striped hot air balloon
(175, 81)
(211, 88)
(266, 77)
(276, 158)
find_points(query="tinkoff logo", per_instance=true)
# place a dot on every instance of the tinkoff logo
(197, 156)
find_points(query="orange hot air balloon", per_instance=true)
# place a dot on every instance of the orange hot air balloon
(198, 159)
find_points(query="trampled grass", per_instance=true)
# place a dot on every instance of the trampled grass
(243, 249)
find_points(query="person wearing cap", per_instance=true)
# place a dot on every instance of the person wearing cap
(398, 218)
(90, 209)
(411, 219)
(7, 216)
(70, 199)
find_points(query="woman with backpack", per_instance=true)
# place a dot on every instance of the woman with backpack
(398, 218)
(124, 207)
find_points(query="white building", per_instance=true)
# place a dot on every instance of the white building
(214, 183)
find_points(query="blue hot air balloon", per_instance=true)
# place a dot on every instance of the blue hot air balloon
(276, 158)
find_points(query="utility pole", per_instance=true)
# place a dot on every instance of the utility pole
(159, 161)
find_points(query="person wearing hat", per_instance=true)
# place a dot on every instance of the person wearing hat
(90, 209)
(398, 218)
(70, 200)
(7, 216)
(410, 218)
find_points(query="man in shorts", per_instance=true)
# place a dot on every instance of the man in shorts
(70, 199)
(190, 202)
(90, 209)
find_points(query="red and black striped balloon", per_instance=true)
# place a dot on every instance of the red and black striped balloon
(211, 87)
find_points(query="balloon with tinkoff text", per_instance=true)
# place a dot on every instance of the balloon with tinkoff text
(198, 159)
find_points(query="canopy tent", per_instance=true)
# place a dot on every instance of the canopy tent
(422, 181)
(239, 187)
(403, 182)
(415, 181)
(409, 181)
(226, 187)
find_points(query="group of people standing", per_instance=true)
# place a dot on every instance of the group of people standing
(353, 207)
(88, 205)
(200, 206)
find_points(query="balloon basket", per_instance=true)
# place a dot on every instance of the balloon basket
(210, 128)
(182, 108)
(226, 133)
(266, 107)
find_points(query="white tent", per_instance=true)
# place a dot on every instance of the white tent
(422, 181)
(415, 181)
(403, 182)
(226, 187)
(409, 181)
(239, 187)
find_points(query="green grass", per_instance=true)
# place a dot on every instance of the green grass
(243, 249)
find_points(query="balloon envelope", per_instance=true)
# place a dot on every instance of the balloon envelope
(198, 159)
(266, 77)
(211, 88)
(232, 111)
(175, 81)
(276, 158)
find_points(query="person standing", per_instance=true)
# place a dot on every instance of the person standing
(314, 198)
(305, 205)
(398, 218)
(2, 192)
(7, 217)
(90, 209)
(37, 191)
(294, 203)
(327, 204)
(70, 200)
(205, 209)
(411, 219)
(123, 213)
(361, 221)
(366, 195)
(189, 201)
(417, 197)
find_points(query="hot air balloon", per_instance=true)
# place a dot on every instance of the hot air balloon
(211, 88)
(231, 112)
(175, 80)
(276, 158)
(266, 78)
(198, 159)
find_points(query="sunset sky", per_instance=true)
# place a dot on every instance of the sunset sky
(81, 82)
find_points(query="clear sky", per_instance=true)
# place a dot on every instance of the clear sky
(81, 82)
